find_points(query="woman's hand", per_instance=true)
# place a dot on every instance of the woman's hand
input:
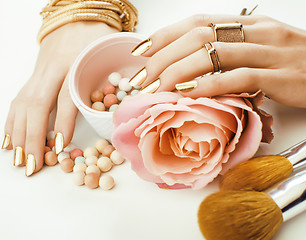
(272, 58)
(28, 116)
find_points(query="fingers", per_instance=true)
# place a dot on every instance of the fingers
(271, 81)
(37, 117)
(231, 56)
(65, 119)
(235, 81)
(8, 130)
(18, 135)
(166, 35)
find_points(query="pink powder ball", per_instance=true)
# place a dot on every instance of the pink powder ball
(108, 88)
(76, 153)
(109, 100)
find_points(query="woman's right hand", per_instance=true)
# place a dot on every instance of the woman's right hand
(28, 117)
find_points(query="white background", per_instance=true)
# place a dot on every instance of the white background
(47, 205)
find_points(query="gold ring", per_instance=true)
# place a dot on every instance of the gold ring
(228, 32)
(213, 56)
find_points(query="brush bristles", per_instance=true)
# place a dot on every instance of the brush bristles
(243, 215)
(256, 174)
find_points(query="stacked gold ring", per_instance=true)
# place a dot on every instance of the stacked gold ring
(213, 57)
(228, 32)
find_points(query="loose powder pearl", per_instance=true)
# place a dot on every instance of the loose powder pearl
(76, 153)
(96, 96)
(98, 106)
(93, 169)
(91, 151)
(105, 164)
(78, 178)
(116, 157)
(61, 156)
(50, 158)
(109, 100)
(70, 147)
(113, 108)
(67, 165)
(100, 144)
(107, 151)
(79, 167)
(124, 85)
(79, 159)
(50, 135)
(114, 78)
(50, 143)
(134, 92)
(92, 160)
(92, 180)
(108, 88)
(121, 95)
(106, 182)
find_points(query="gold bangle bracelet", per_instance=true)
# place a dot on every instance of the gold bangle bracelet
(50, 11)
(75, 18)
(120, 14)
(80, 11)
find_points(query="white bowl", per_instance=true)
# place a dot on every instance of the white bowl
(91, 69)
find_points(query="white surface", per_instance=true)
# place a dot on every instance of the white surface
(48, 205)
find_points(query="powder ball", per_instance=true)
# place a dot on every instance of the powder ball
(92, 180)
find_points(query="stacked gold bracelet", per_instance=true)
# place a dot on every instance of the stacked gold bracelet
(120, 14)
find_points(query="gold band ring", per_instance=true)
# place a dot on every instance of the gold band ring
(228, 32)
(213, 57)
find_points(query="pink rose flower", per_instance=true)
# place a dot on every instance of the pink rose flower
(179, 142)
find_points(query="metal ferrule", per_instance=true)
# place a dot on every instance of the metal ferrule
(290, 194)
(296, 153)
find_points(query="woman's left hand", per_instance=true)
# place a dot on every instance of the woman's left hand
(272, 58)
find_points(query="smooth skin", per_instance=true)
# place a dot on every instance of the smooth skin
(272, 58)
(28, 117)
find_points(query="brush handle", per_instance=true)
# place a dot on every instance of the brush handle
(296, 153)
(290, 194)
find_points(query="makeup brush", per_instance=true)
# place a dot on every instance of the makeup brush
(251, 215)
(261, 172)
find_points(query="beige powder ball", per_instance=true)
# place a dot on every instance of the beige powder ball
(99, 106)
(106, 182)
(105, 164)
(92, 160)
(67, 165)
(79, 167)
(116, 157)
(93, 169)
(50, 158)
(78, 178)
(91, 180)
(100, 144)
(107, 151)
(91, 151)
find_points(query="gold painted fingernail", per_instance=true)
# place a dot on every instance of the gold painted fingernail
(151, 87)
(30, 165)
(59, 142)
(142, 47)
(139, 78)
(6, 141)
(186, 86)
(19, 156)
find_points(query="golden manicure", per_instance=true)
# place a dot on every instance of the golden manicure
(151, 87)
(186, 86)
(30, 165)
(19, 156)
(139, 78)
(59, 143)
(142, 47)
(6, 141)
